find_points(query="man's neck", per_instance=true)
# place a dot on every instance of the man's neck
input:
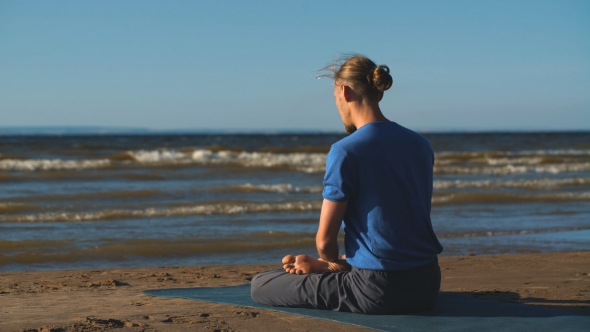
(367, 114)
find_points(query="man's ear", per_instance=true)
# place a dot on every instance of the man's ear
(347, 92)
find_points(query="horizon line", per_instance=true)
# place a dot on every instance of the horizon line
(114, 130)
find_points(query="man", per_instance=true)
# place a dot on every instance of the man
(379, 182)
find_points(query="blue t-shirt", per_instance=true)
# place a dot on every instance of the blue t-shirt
(384, 171)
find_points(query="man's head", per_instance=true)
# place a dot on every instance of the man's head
(357, 79)
(366, 78)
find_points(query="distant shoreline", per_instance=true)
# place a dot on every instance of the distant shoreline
(98, 131)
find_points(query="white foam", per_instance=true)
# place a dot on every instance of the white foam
(281, 188)
(307, 162)
(513, 169)
(490, 162)
(157, 156)
(441, 199)
(51, 164)
(204, 209)
(509, 161)
(459, 162)
(530, 184)
(555, 152)
(548, 161)
(479, 154)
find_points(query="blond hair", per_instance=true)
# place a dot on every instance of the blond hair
(362, 74)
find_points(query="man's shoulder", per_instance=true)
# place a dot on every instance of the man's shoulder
(379, 136)
(344, 142)
(347, 145)
(379, 131)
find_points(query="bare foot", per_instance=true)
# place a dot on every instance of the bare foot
(303, 264)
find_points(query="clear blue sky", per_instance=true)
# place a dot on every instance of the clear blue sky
(483, 65)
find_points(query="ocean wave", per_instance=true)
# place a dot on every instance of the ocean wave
(233, 208)
(449, 162)
(16, 207)
(493, 162)
(15, 203)
(273, 149)
(204, 209)
(51, 164)
(479, 198)
(513, 169)
(500, 154)
(508, 232)
(299, 161)
(307, 162)
(522, 183)
(126, 194)
(281, 188)
(158, 156)
(512, 158)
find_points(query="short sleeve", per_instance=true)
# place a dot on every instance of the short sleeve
(339, 177)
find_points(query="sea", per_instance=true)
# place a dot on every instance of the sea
(102, 201)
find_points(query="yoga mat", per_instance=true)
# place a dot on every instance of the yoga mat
(453, 312)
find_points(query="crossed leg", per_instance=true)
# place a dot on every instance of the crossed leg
(306, 282)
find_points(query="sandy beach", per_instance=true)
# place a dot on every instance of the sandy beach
(106, 299)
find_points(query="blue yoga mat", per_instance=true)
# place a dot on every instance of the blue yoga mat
(453, 312)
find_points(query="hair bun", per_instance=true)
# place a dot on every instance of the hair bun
(381, 78)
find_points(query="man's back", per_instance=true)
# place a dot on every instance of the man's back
(384, 171)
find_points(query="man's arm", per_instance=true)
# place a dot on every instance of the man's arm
(326, 242)
(327, 237)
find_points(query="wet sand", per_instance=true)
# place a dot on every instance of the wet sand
(107, 299)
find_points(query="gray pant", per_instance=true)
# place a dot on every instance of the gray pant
(362, 291)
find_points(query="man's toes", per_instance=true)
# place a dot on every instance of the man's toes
(289, 259)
